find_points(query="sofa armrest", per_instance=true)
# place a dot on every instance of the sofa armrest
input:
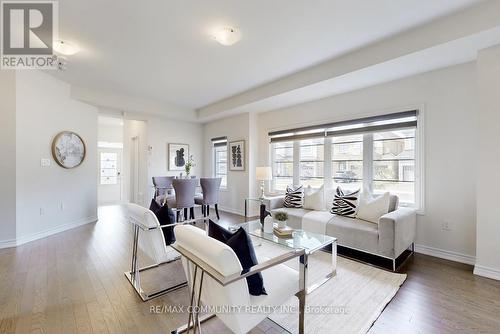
(397, 229)
(274, 202)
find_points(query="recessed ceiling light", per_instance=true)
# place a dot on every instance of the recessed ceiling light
(65, 48)
(227, 35)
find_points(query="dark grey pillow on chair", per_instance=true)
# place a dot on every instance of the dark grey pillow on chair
(165, 216)
(241, 244)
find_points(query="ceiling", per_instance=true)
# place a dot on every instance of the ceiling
(161, 50)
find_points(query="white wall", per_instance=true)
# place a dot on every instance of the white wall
(51, 199)
(164, 131)
(235, 128)
(488, 159)
(8, 158)
(449, 100)
(158, 132)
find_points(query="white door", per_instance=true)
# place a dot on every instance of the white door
(110, 179)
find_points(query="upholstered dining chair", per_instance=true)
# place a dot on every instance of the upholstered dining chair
(185, 190)
(163, 188)
(149, 238)
(216, 280)
(210, 188)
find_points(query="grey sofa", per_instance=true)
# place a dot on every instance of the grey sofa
(389, 238)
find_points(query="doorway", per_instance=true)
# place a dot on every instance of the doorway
(110, 159)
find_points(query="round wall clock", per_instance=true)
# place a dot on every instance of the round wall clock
(68, 149)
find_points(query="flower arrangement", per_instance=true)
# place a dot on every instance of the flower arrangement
(189, 164)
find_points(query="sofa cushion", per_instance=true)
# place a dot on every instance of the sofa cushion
(393, 203)
(372, 208)
(316, 221)
(314, 199)
(294, 216)
(294, 197)
(354, 233)
(345, 203)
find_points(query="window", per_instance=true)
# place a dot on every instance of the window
(311, 165)
(394, 163)
(109, 171)
(347, 162)
(282, 153)
(220, 163)
(375, 154)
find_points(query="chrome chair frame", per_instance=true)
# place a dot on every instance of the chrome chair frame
(134, 276)
(194, 320)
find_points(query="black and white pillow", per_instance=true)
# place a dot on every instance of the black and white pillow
(345, 204)
(294, 197)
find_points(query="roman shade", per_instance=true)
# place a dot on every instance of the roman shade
(400, 120)
(219, 141)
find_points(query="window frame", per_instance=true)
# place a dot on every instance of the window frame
(215, 163)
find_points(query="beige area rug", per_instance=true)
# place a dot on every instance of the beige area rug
(350, 302)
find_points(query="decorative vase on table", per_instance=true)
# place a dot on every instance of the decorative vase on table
(268, 224)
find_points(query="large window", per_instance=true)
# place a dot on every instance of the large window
(220, 164)
(347, 161)
(219, 148)
(394, 163)
(375, 154)
(282, 153)
(312, 162)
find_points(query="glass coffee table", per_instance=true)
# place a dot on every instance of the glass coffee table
(300, 239)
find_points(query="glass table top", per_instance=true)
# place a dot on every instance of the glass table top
(300, 239)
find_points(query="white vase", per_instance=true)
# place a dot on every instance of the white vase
(268, 224)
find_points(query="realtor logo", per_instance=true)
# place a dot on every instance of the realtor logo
(29, 30)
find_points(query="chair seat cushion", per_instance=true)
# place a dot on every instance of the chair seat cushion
(241, 243)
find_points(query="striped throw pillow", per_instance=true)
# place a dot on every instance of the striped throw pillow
(294, 197)
(345, 204)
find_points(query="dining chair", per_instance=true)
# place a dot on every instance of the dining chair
(210, 188)
(163, 188)
(216, 281)
(185, 190)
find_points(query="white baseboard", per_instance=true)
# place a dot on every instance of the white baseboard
(445, 254)
(7, 243)
(487, 272)
(233, 211)
(43, 234)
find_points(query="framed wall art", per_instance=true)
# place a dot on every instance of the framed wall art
(178, 154)
(237, 155)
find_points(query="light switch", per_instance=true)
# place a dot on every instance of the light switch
(44, 162)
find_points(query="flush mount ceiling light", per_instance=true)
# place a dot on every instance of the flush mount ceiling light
(227, 35)
(65, 48)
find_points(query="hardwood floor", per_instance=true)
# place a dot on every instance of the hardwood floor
(73, 282)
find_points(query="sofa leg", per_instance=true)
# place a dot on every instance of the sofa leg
(394, 265)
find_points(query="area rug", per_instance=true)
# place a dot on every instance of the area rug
(348, 303)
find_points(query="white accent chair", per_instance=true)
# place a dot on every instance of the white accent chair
(214, 272)
(148, 237)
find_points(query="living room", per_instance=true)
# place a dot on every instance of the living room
(317, 114)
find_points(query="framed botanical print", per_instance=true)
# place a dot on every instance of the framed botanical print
(237, 155)
(178, 154)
